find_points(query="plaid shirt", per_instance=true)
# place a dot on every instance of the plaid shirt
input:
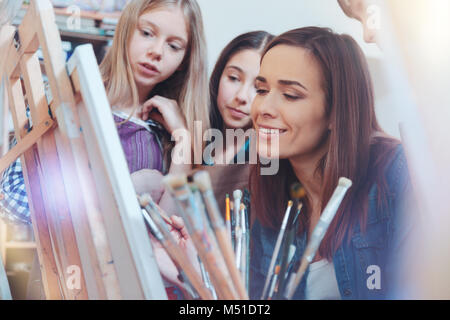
(13, 197)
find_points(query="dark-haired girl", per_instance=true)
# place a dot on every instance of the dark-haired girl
(232, 90)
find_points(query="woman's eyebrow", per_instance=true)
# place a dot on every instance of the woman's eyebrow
(235, 67)
(148, 22)
(151, 24)
(261, 79)
(291, 83)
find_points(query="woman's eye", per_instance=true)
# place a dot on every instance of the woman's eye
(291, 97)
(147, 33)
(233, 78)
(174, 47)
(261, 91)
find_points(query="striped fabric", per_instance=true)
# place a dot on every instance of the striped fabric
(140, 143)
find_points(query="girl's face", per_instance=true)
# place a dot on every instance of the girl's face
(237, 88)
(157, 47)
(290, 101)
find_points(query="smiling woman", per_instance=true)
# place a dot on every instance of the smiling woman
(301, 133)
(315, 94)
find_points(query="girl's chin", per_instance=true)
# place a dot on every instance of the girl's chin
(241, 124)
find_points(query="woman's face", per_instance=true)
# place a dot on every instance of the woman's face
(237, 88)
(290, 102)
(157, 46)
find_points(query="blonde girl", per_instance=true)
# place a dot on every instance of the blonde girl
(155, 79)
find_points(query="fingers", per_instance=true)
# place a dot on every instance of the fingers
(168, 110)
(160, 103)
(178, 223)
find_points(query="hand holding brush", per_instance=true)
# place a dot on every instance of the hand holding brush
(184, 264)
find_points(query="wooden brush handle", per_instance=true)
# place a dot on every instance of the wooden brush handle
(215, 267)
(182, 260)
(230, 260)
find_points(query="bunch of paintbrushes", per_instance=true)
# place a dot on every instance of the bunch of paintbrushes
(275, 279)
(223, 246)
(220, 277)
(317, 235)
(157, 222)
(281, 282)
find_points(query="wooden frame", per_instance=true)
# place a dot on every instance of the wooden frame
(91, 239)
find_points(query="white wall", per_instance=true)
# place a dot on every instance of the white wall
(224, 20)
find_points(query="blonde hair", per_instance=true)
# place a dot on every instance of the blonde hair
(188, 85)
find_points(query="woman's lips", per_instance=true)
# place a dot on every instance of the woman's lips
(147, 69)
(268, 133)
(235, 113)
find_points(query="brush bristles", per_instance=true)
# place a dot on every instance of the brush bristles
(202, 180)
(277, 269)
(237, 194)
(144, 199)
(175, 181)
(344, 182)
(297, 191)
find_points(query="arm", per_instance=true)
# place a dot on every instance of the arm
(169, 115)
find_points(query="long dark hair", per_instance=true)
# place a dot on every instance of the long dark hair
(357, 146)
(251, 40)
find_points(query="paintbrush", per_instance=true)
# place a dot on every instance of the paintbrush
(237, 196)
(206, 279)
(246, 246)
(276, 249)
(206, 246)
(273, 282)
(238, 249)
(297, 193)
(227, 215)
(244, 242)
(206, 223)
(203, 181)
(153, 218)
(319, 232)
(184, 283)
(147, 197)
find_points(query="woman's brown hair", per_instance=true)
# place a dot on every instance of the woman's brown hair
(357, 146)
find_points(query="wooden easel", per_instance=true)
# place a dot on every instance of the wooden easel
(91, 239)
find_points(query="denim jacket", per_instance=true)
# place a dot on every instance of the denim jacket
(380, 246)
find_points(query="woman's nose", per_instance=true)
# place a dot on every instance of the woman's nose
(265, 106)
(155, 51)
(242, 95)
